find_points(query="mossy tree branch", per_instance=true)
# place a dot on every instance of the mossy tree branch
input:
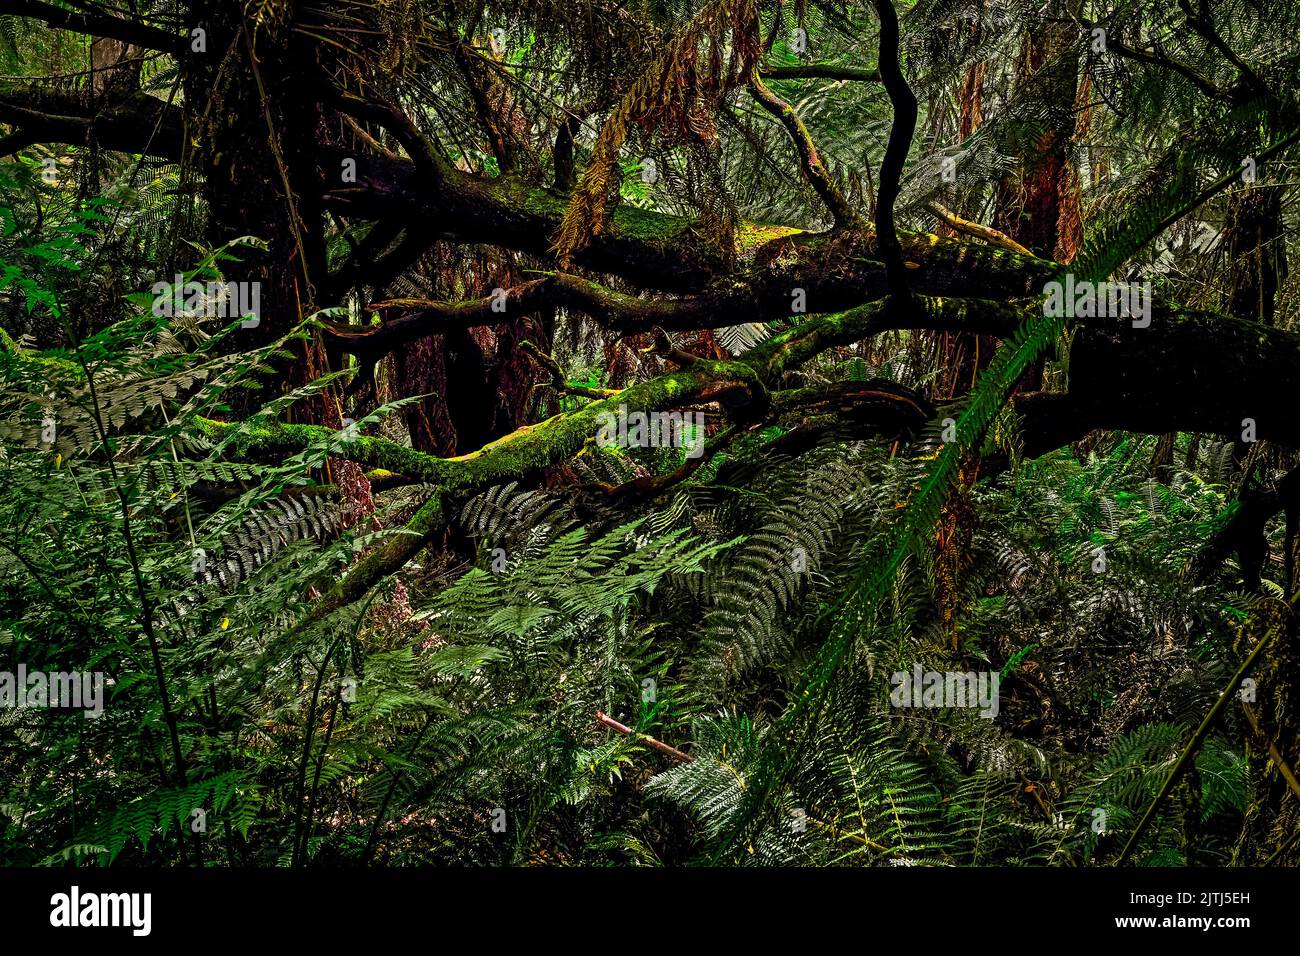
(814, 169)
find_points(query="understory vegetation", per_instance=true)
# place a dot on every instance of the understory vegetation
(365, 587)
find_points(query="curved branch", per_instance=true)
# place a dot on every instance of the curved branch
(626, 314)
(900, 141)
(428, 164)
(792, 348)
(617, 311)
(814, 169)
(859, 410)
(1201, 23)
(1150, 57)
(1154, 59)
(980, 231)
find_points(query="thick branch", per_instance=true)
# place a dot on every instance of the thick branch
(625, 314)
(522, 453)
(99, 25)
(900, 141)
(137, 123)
(1189, 371)
(808, 339)
(741, 386)
(1186, 371)
(415, 319)
(663, 252)
(1243, 531)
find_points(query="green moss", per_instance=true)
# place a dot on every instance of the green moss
(634, 224)
(287, 440)
(813, 336)
(752, 236)
(511, 457)
(627, 222)
(532, 200)
(648, 226)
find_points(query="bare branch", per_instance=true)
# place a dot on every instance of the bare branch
(987, 233)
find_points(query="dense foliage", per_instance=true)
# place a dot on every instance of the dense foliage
(366, 588)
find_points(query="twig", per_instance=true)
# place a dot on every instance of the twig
(659, 745)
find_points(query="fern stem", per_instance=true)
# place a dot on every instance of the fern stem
(1193, 745)
(142, 593)
(302, 817)
(1290, 842)
(382, 812)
